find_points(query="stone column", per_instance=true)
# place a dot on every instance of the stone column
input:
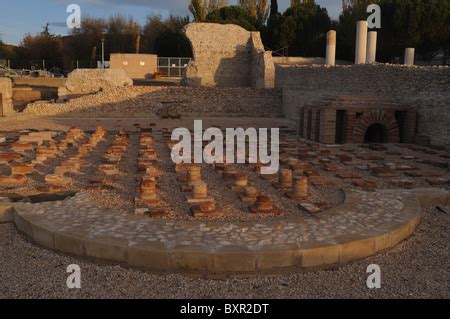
(371, 47)
(6, 93)
(331, 48)
(409, 56)
(361, 42)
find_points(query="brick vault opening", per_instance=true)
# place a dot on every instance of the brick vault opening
(376, 133)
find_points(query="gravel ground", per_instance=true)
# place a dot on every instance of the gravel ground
(417, 268)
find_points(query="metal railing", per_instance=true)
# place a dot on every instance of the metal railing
(172, 67)
(167, 67)
(283, 52)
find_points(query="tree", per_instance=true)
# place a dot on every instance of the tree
(250, 6)
(422, 24)
(6, 53)
(43, 46)
(234, 15)
(274, 8)
(222, 3)
(84, 44)
(121, 34)
(346, 34)
(198, 9)
(302, 28)
(152, 29)
(165, 37)
(262, 11)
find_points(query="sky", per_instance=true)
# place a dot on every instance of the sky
(18, 17)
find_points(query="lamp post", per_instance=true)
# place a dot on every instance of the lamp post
(103, 52)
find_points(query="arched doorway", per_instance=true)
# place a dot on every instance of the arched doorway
(376, 133)
(376, 125)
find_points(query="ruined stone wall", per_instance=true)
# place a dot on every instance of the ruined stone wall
(227, 55)
(263, 68)
(87, 81)
(6, 93)
(41, 82)
(425, 88)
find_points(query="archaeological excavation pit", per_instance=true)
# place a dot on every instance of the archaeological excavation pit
(327, 205)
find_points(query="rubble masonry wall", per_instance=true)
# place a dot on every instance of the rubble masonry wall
(227, 55)
(424, 88)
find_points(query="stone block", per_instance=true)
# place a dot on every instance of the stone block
(318, 254)
(230, 259)
(151, 256)
(6, 213)
(69, 242)
(108, 248)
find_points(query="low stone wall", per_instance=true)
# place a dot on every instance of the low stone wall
(424, 88)
(227, 55)
(88, 81)
(6, 94)
(295, 60)
(41, 82)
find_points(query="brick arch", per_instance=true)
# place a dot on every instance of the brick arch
(377, 117)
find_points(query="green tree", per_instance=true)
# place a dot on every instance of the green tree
(274, 8)
(165, 37)
(151, 30)
(422, 24)
(303, 29)
(234, 15)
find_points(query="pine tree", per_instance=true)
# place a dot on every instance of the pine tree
(273, 8)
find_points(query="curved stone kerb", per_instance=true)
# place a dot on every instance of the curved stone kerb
(204, 258)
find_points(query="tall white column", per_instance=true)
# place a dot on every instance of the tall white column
(331, 48)
(371, 47)
(409, 56)
(361, 42)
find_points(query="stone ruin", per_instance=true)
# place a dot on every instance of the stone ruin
(6, 93)
(228, 56)
(88, 81)
(357, 119)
